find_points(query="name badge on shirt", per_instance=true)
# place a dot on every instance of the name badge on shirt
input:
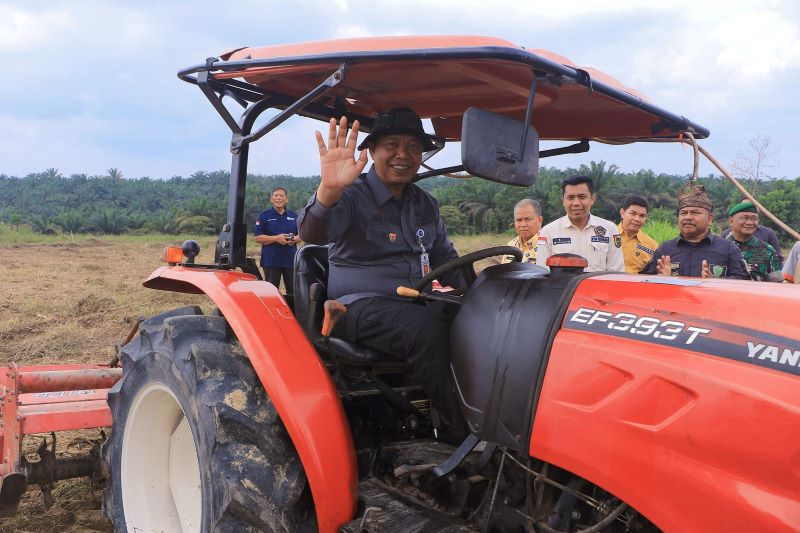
(718, 271)
(645, 249)
(562, 240)
(598, 238)
(424, 263)
(424, 260)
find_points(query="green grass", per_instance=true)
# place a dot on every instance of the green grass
(21, 235)
(14, 235)
(661, 230)
(469, 243)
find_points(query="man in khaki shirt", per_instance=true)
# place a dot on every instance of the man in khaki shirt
(527, 223)
(637, 246)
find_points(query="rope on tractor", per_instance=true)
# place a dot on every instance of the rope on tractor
(700, 150)
(697, 150)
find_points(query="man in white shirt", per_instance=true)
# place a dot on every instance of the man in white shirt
(791, 268)
(580, 232)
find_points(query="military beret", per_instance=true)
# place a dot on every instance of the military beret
(742, 206)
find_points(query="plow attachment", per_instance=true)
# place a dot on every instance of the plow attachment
(47, 399)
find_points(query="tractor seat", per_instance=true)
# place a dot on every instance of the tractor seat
(310, 293)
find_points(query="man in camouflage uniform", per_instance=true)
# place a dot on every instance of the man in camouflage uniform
(760, 257)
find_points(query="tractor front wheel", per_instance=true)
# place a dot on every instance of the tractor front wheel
(196, 444)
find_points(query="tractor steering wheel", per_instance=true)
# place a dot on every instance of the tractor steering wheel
(465, 263)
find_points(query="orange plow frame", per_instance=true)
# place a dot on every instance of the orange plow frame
(44, 399)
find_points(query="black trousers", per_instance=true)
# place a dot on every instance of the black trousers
(419, 333)
(273, 275)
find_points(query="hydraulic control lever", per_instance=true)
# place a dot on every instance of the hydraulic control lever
(408, 292)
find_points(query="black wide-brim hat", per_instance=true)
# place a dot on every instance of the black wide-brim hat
(400, 120)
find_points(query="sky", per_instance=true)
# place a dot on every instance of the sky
(91, 85)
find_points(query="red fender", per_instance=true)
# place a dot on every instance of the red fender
(292, 374)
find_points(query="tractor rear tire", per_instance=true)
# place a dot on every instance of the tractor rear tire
(196, 444)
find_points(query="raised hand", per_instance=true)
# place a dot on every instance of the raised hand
(664, 266)
(706, 273)
(338, 166)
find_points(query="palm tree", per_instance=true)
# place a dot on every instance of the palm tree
(69, 221)
(603, 178)
(660, 191)
(52, 173)
(114, 173)
(110, 220)
(41, 224)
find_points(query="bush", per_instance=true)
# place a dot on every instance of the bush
(196, 224)
(110, 221)
(661, 214)
(661, 230)
(454, 220)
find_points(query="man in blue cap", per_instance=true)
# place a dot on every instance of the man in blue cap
(760, 257)
(385, 232)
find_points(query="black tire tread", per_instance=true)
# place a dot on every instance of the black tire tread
(259, 481)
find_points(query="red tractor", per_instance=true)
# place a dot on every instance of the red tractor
(596, 401)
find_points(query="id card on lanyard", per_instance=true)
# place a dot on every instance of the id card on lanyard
(424, 260)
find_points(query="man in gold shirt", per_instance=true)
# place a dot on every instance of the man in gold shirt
(637, 246)
(527, 223)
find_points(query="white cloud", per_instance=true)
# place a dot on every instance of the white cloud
(756, 43)
(707, 45)
(95, 87)
(351, 30)
(21, 30)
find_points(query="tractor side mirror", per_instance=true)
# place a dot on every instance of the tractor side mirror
(491, 148)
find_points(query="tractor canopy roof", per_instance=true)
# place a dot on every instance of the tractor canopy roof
(440, 77)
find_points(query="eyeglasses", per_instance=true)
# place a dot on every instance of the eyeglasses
(747, 218)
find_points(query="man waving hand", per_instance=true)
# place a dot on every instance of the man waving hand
(385, 232)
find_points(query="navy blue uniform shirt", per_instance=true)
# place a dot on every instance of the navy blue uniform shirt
(724, 258)
(375, 245)
(271, 222)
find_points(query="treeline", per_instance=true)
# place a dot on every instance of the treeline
(110, 204)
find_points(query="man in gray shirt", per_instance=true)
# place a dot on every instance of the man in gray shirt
(385, 232)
